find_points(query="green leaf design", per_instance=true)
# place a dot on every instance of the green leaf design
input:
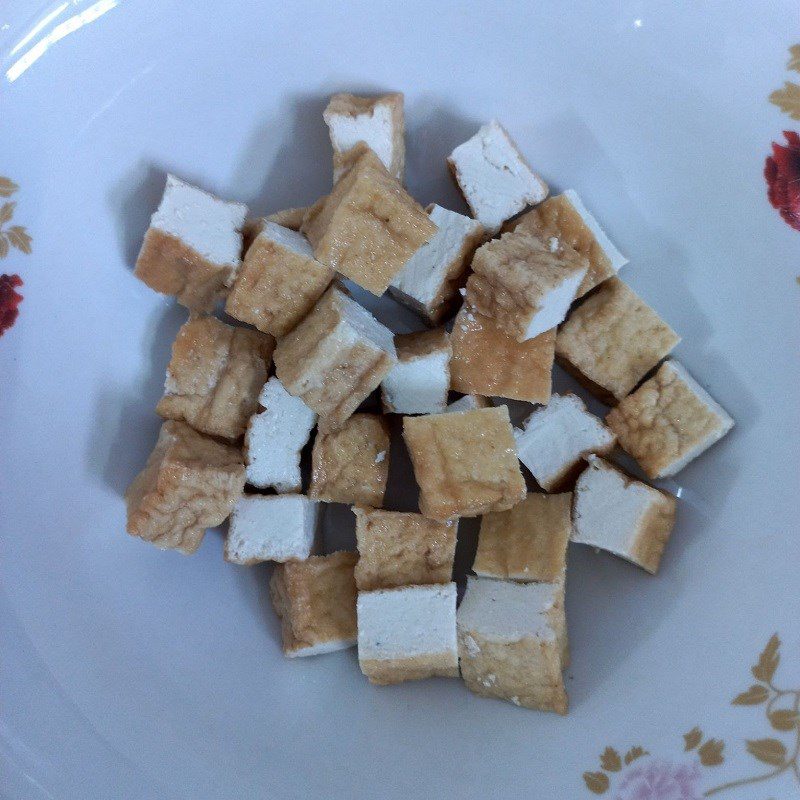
(753, 696)
(610, 760)
(634, 753)
(711, 753)
(7, 187)
(19, 238)
(6, 212)
(770, 751)
(787, 99)
(794, 58)
(783, 719)
(770, 658)
(692, 739)
(596, 782)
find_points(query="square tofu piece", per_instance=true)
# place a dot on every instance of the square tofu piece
(214, 376)
(465, 464)
(668, 421)
(282, 527)
(494, 178)
(335, 357)
(279, 281)
(524, 287)
(420, 380)
(556, 438)
(408, 633)
(487, 361)
(528, 542)
(621, 515)
(469, 402)
(429, 281)
(402, 549)
(351, 465)
(368, 226)
(275, 437)
(510, 642)
(564, 221)
(376, 121)
(316, 602)
(190, 483)
(193, 246)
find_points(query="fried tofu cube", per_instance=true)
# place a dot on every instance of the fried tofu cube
(611, 341)
(378, 122)
(214, 376)
(420, 380)
(430, 279)
(402, 549)
(522, 286)
(190, 483)
(621, 515)
(193, 246)
(555, 439)
(487, 361)
(668, 421)
(465, 464)
(275, 438)
(368, 226)
(351, 465)
(279, 281)
(408, 633)
(510, 642)
(493, 176)
(273, 527)
(469, 402)
(315, 600)
(291, 218)
(335, 357)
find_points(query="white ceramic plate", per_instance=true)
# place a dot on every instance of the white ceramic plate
(128, 672)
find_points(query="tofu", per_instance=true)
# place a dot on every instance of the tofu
(469, 402)
(351, 465)
(624, 516)
(488, 361)
(465, 464)
(510, 642)
(612, 340)
(335, 358)
(291, 218)
(402, 549)
(420, 380)
(279, 281)
(376, 121)
(190, 483)
(528, 542)
(214, 376)
(493, 176)
(407, 633)
(315, 600)
(522, 286)
(556, 438)
(269, 527)
(668, 421)
(368, 226)
(430, 279)
(275, 439)
(193, 247)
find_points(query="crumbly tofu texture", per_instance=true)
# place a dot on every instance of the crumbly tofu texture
(621, 515)
(511, 642)
(555, 439)
(408, 633)
(402, 549)
(378, 122)
(528, 542)
(522, 286)
(193, 246)
(335, 357)
(420, 380)
(368, 226)
(190, 483)
(668, 421)
(351, 465)
(279, 281)
(315, 600)
(493, 176)
(612, 340)
(214, 376)
(430, 279)
(465, 464)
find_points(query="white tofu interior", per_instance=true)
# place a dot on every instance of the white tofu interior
(374, 128)
(469, 402)
(614, 256)
(555, 305)
(418, 385)
(288, 239)
(364, 326)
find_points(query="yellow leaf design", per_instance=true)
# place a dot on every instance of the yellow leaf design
(783, 720)
(3, 246)
(634, 753)
(787, 99)
(770, 751)
(769, 658)
(19, 238)
(753, 696)
(7, 187)
(596, 782)
(610, 760)
(693, 738)
(711, 753)
(6, 212)
(794, 57)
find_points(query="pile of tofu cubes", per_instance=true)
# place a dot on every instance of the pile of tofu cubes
(536, 280)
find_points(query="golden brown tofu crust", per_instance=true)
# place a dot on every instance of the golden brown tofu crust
(410, 346)
(385, 672)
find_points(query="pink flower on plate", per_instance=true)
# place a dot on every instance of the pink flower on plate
(660, 780)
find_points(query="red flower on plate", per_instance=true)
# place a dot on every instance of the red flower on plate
(782, 172)
(9, 301)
